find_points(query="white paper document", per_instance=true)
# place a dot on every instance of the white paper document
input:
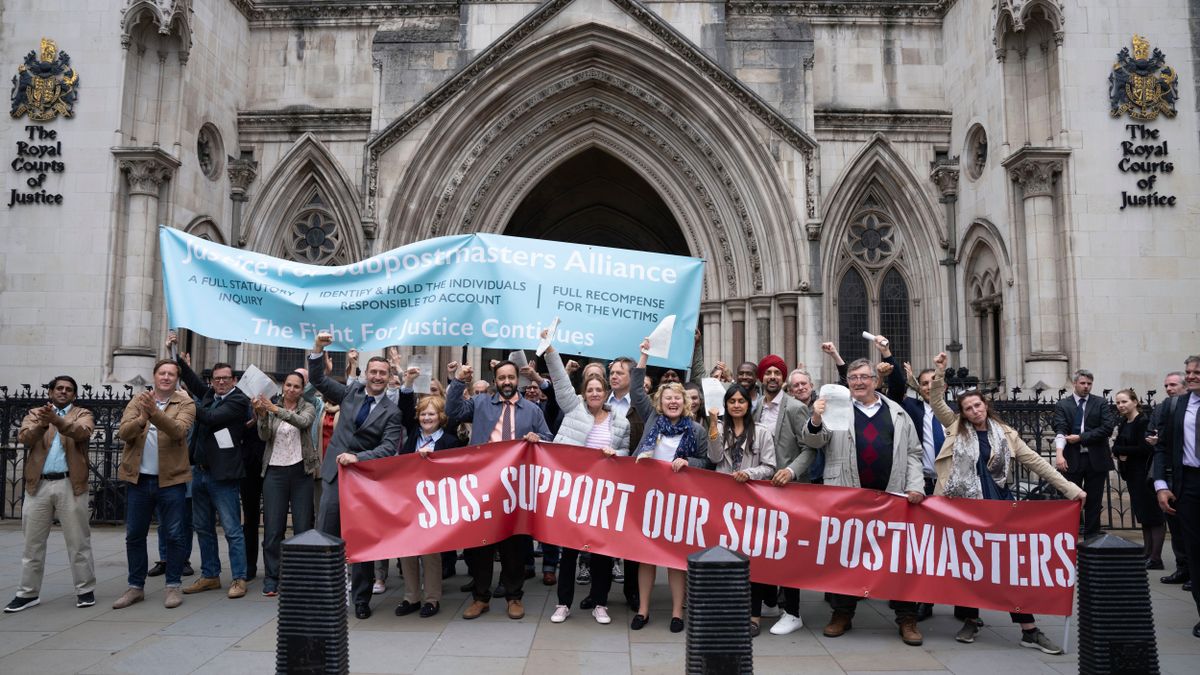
(254, 382)
(544, 343)
(519, 358)
(714, 393)
(837, 407)
(224, 440)
(423, 363)
(871, 338)
(660, 338)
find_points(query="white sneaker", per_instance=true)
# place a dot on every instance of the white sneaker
(378, 588)
(601, 615)
(787, 624)
(561, 612)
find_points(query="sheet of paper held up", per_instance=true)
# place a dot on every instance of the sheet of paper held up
(544, 343)
(837, 407)
(714, 393)
(423, 363)
(870, 337)
(223, 438)
(254, 382)
(518, 357)
(660, 338)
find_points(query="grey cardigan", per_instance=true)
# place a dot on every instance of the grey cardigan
(303, 418)
(577, 421)
(759, 462)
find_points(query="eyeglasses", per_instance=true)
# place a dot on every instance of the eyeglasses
(859, 378)
(223, 378)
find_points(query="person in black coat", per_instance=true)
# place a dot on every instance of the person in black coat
(1086, 422)
(1133, 455)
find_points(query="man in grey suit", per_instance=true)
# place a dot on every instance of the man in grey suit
(503, 416)
(369, 427)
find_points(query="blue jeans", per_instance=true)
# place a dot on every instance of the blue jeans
(142, 500)
(209, 498)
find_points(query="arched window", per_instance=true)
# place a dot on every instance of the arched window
(852, 315)
(894, 314)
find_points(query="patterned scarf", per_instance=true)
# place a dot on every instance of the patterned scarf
(963, 480)
(687, 444)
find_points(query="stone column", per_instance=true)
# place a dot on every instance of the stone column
(737, 316)
(714, 350)
(762, 326)
(1035, 176)
(242, 172)
(945, 176)
(146, 171)
(789, 308)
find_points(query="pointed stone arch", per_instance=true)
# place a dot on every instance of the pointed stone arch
(308, 181)
(879, 218)
(987, 278)
(582, 87)
(167, 16)
(205, 228)
(1011, 16)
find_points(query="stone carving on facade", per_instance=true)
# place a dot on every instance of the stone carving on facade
(242, 173)
(1036, 176)
(167, 16)
(146, 175)
(44, 86)
(894, 9)
(1142, 84)
(303, 119)
(314, 234)
(871, 238)
(291, 13)
(863, 119)
(945, 177)
(1013, 14)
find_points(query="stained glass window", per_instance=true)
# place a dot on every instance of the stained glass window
(894, 315)
(852, 315)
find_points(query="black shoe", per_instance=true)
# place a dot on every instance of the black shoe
(467, 587)
(1154, 564)
(362, 611)
(85, 599)
(157, 569)
(676, 624)
(639, 622)
(924, 611)
(187, 570)
(587, 603)
(755, 629)
(429, 609)
(1187, 586)
(1196, 630)
(405, 608)
(1177, 577)
(19, 604)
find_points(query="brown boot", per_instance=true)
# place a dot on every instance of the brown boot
(515, 609)
(203, 584)
(909, 631)
(839, 623)
(477, 608)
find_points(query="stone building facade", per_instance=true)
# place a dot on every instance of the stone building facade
(942, 171)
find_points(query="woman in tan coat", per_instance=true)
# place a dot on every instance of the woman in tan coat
(975, 462)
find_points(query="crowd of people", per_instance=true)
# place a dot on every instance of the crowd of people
(196, 451)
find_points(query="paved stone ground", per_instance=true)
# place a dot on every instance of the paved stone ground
(212, 634)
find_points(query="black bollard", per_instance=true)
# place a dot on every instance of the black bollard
(313, 629)
(1116, 621)
(718, 613)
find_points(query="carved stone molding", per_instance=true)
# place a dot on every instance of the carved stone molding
(945, 176)
(1036, 176)
(145, 169)
(242, 173)
(1012, 14)
(291, 13)
(913, 11)
(300, 119)
(862, 119)
(166, 16)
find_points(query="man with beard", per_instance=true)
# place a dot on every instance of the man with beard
(504, 416)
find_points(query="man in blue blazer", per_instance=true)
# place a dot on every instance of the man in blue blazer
(503, 416)
(369, 427)
(1087, 422)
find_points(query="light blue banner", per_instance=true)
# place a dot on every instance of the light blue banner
(483, 289)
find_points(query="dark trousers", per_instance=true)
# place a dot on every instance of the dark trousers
(1177, 546)
(760, 593)
(849, 603)
(601, 577)
(142, 500)
(964, 613)
(512, 567)
(284, 487)
(329, 521)
(1187, 508)
(631, 582)
(1092, 482)
(252, 491)
(187, 534)
(791, 601)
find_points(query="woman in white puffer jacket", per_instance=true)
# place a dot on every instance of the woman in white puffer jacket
(587, 422)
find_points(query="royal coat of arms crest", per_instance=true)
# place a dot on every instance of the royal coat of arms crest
(44, 86)
(1141, 84)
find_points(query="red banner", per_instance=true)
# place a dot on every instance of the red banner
(1010, 556)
